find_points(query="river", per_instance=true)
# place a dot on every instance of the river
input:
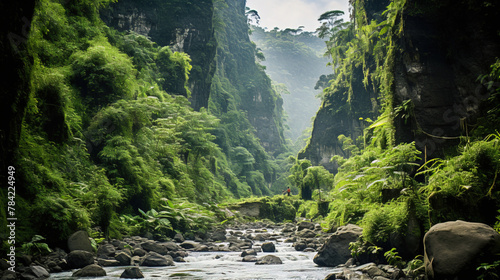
(228, 265)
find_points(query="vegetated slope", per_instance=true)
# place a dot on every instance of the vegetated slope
(429, 151)
(104, 130)
(417, 65)
(296, 60)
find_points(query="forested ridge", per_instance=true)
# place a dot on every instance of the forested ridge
(123, 121)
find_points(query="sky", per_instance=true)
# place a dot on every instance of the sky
(294, 13)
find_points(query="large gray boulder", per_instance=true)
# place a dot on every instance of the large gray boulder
(454, 250)
(123, 258)
(107, 250)
(79, 259)
(268, 247)
(152, 246)
(155, 259)
(269, 259)
(305, 225)
(92, 270)
(336, 251)
(132, 273)
(80, 241)
(35, 272)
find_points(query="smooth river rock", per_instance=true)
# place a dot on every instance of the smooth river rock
(92, 270)
(336, 251)
(454, 250)
(80, 241)
(269, 259)
(79, 259)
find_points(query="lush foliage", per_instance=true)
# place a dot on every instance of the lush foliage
(109, 140)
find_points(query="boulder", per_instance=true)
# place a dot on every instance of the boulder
(454, 250)
(288, 227)
(155, 259)
(179, 238)
(373, 271)
(8, 275)
(305, 225)
(269, 259)
(106, 250)
(249, 258)
(80, 241)
(190, 245)
(139, 252)
(218, 235)
(268, 247)
(123, 258)
(262, 236)
(107, 262)
(306, 233)
(35, 272)
(249, 252)
(79, 259)
(132, 273)
(92, 270)
(336, 251)
(171, 246)
(152, 246)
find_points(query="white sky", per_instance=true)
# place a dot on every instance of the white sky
(294, 13)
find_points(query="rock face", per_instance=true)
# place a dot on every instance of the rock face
(336, 249)
(443, 52)
(184, 26)
(80, 241)
(453, 250)
(441, 55)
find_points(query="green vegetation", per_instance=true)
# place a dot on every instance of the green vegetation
(109, 141)
(389, 188)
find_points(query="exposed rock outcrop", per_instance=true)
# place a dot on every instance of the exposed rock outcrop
(184, 26)
(440, 55)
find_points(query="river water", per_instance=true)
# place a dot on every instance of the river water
(228, 265)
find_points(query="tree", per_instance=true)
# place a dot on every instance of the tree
(252, 15)
(331, 23)
(298, 173)
(317, 177)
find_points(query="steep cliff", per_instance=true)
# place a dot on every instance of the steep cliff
(184, 26)
(242, 84)
(446, 46)
(189, 27)
(419, 68)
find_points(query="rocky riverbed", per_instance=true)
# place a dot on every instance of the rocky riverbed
(245, 251)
